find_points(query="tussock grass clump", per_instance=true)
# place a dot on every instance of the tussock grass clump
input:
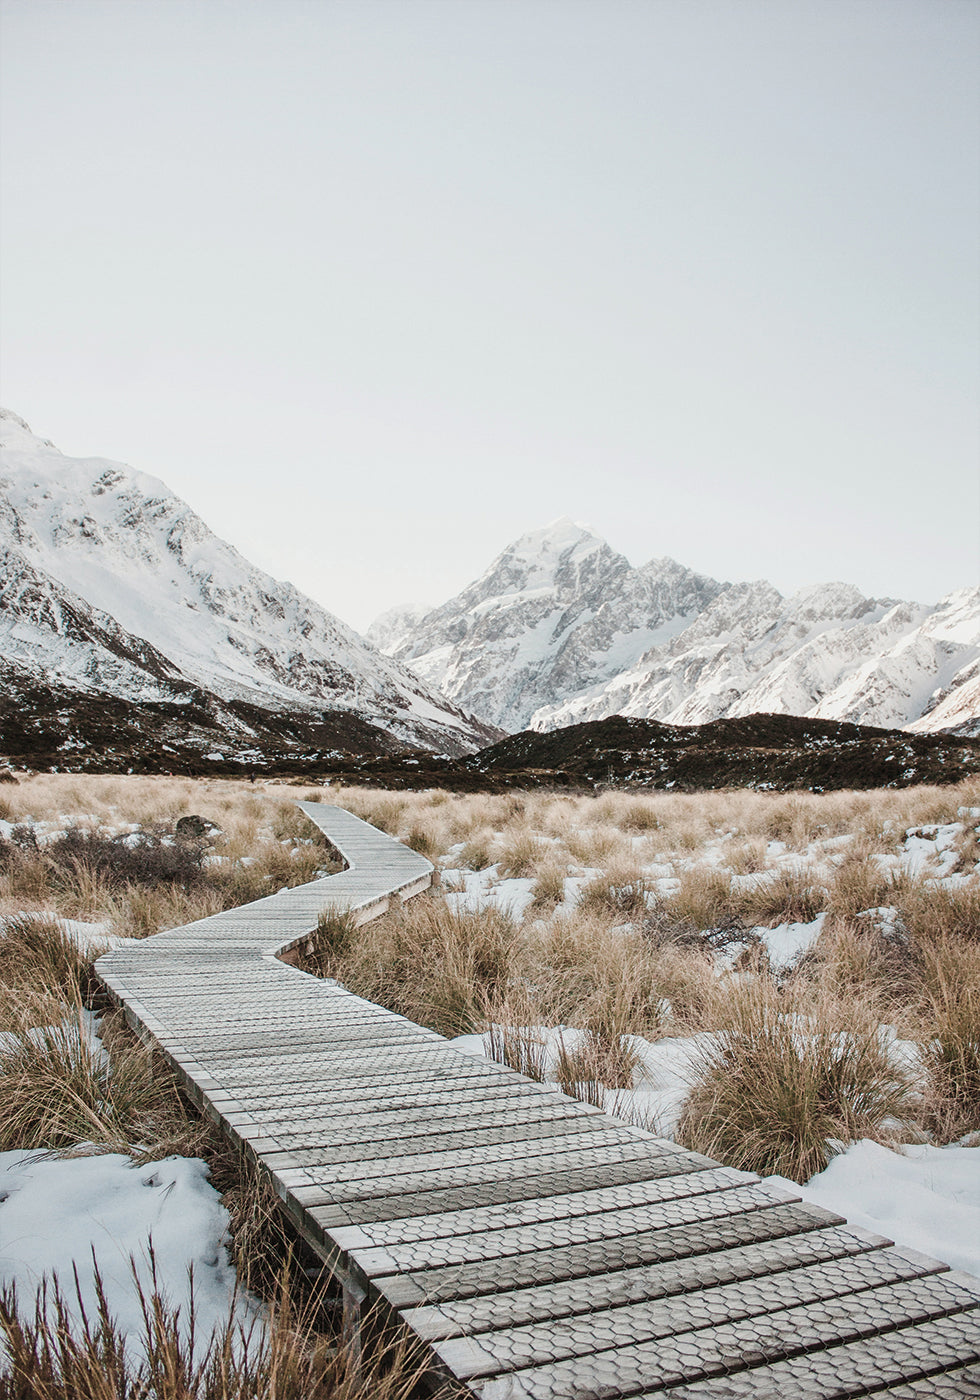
(951, 1045)
(548, 889)
(598, 1063)
(595, 846)
(746, 857)
(784, 1082)
(424, 840)
(930, 911)
(620, 892)
(703, 899)
(511, 1035)
(336, 931)
(859, 883)
(786, 896)
(39, 953)
(519, 855)
(477, 852)
(860, 958)
(587, 974)
(636, 814)
(432, 964)
(58, 1090)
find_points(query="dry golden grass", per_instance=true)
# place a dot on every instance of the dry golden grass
(785, 1080)
(261, 843)
(784, 896)
(426, 962)
(703, 899)
(577, 966)
(288, 1356)
(950, 971)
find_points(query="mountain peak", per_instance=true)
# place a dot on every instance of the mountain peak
(98, 555)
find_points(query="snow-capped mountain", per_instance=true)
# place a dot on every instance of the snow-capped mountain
(557, 612)
(112, 584)
(561, 629)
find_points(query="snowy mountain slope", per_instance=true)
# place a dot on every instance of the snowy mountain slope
(388, 631)
(826, 652)
(111, 582)
(561, 629)
(556, 612)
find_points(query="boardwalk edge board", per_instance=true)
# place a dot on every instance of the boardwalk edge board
(541, 1249)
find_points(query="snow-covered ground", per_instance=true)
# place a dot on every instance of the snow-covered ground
(926, 1197)
(63, 1217)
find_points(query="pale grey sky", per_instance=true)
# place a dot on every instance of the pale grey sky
(377, 285)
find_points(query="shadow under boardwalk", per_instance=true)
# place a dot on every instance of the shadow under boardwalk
(541, 1248)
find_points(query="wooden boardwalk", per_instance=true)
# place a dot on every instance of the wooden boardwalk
(542, 1248)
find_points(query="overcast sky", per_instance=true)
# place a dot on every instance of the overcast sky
(377, 285)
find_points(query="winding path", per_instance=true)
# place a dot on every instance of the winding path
(541, 1248)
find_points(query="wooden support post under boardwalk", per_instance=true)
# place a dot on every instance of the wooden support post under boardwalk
(541, 1249)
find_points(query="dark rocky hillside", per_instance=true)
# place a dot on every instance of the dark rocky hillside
(50, 727)
(46, 727)
(761, 751)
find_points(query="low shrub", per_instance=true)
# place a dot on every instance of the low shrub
(148, 860)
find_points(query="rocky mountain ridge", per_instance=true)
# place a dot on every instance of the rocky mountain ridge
(112, 585)
(557, 612)
(561, 629)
